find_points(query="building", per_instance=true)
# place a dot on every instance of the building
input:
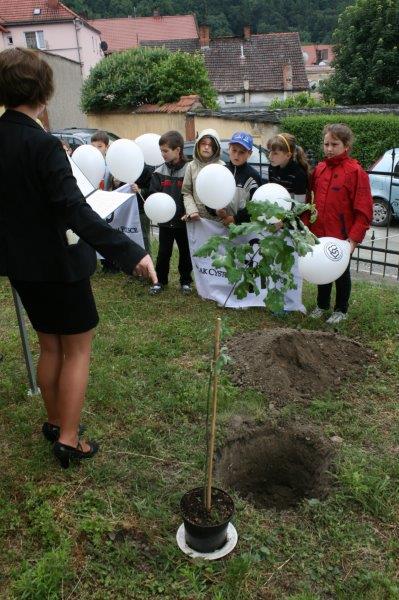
(250, 70)
(50, 26)
(318, 59)
(122, 34)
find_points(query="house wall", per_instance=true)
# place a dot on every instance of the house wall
(261, 132)
(89, 42)
(63, 109)
(81, 44)
(132, 125)
(255, 98)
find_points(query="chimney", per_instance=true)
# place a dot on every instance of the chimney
(287, 77)
(204, 36)
(53, 4)
(246, 92)
(247, 33)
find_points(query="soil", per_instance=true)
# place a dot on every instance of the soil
(295, 365)
(194, 511)
(275, 466)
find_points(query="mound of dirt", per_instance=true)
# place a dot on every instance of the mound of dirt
(295, 365)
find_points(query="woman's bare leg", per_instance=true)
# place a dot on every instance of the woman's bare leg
(72, 384)
(48, 373)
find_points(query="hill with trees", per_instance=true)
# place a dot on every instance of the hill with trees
(314, 19)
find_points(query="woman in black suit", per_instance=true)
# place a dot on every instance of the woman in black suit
(39, 203)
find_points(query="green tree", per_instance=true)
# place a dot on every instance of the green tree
(125, 80)
(367, 56)
(182, 73)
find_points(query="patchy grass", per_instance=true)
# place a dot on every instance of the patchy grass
(106, 529)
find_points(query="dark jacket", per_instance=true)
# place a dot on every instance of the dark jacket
(293, 177)
(168, 178)
(39, 202)
(247, 182)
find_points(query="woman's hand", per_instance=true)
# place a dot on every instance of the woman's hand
(145, 268)
(135, 188)
(221, 213)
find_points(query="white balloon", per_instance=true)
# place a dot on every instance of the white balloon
(160, 207)
(149, 145)
(91, 162)
(275, 193)
(125, 160)
(215, 186)
(326, 262)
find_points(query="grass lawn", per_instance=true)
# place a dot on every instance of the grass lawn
(106, 529)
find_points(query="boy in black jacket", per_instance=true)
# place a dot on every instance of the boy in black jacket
(168, 178)
(247, 179)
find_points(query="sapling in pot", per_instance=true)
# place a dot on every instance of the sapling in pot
(207, 510)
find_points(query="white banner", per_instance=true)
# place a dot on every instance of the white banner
(213, 284)
(126, 218)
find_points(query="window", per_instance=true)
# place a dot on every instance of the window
(321, 55)
(35, 39)
(230, 99)
(396, 170)
(9, 40)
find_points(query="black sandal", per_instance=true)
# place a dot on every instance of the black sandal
(66, 453)
(52, 432)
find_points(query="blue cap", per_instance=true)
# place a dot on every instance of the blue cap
(242, 138)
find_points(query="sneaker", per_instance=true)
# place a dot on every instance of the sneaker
(157, 288)
(317, 313)
(336, 317)
(185, 289)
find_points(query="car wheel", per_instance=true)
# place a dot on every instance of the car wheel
(381, 213)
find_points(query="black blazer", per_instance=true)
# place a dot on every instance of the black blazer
(39, 202)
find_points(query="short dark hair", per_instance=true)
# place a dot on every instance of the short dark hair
(25, 78)
(173, 139)
(100, 136)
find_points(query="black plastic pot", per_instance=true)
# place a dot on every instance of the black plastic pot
(210, 536)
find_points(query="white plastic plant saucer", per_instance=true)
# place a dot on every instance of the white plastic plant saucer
(230, 544)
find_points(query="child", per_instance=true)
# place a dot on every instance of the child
(246, 177)
(344, 207)
(206, 152)
(289, 167)
(168, 178)
(100, 140)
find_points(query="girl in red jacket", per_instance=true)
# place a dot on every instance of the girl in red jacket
(344, 209)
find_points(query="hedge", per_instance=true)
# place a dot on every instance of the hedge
(374, 134)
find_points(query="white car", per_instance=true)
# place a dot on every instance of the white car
(385, 195)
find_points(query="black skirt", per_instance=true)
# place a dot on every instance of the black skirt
(57, 307)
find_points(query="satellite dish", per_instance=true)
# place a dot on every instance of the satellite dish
(322, 63)
(305, 56)
(104, 46)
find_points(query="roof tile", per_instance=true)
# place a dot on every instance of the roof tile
(260, 60)
(121, 34)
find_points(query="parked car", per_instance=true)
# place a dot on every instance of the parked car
(76, 136)
(258, 158)
(385, 202)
